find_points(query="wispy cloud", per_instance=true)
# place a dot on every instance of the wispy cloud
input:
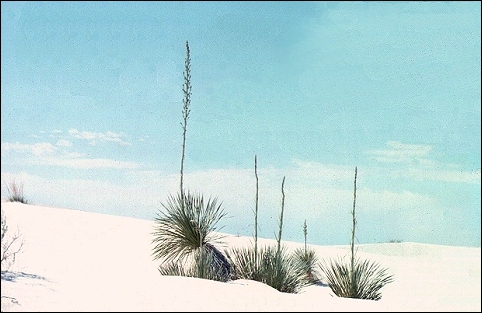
(37, 149)
(398, 152)
(43, 148)
(8, 147)
(45, 153)
(413, 161)
(93, 138)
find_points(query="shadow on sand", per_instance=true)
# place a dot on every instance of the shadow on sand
(12, 276)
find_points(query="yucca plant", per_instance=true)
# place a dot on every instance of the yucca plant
(276, 267)
(273, 266)
(358, 279)
(244, 262)
(201, 265)
(309, 262)
(280, 270)
(308, 258)
(364, 281)
(187, 227)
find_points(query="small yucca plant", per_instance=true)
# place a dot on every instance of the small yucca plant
(363, 282)
(309, 261)
(244, 262)
(276, 268)
(281, 270)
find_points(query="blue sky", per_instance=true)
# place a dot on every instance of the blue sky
(91, 106)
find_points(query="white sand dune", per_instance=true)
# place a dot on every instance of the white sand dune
(81, 261)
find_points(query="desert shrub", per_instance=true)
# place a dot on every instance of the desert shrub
(15, 192)
(275, 267)
(187, 227)
(11, 244)
(363, 282)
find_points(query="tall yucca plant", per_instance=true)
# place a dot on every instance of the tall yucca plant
(358, 279)
(183, 235)
(187, 227)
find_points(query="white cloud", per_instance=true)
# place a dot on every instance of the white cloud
(94, 137)
(397, 152)
(15, 147)
(44, 153)
(316, 172)
(43, 148)
(38, 149)
(413, 162)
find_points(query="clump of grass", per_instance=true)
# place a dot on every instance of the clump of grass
(15, 192)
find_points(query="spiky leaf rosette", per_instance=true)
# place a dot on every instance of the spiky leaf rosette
(364, 283)
(186, 224)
